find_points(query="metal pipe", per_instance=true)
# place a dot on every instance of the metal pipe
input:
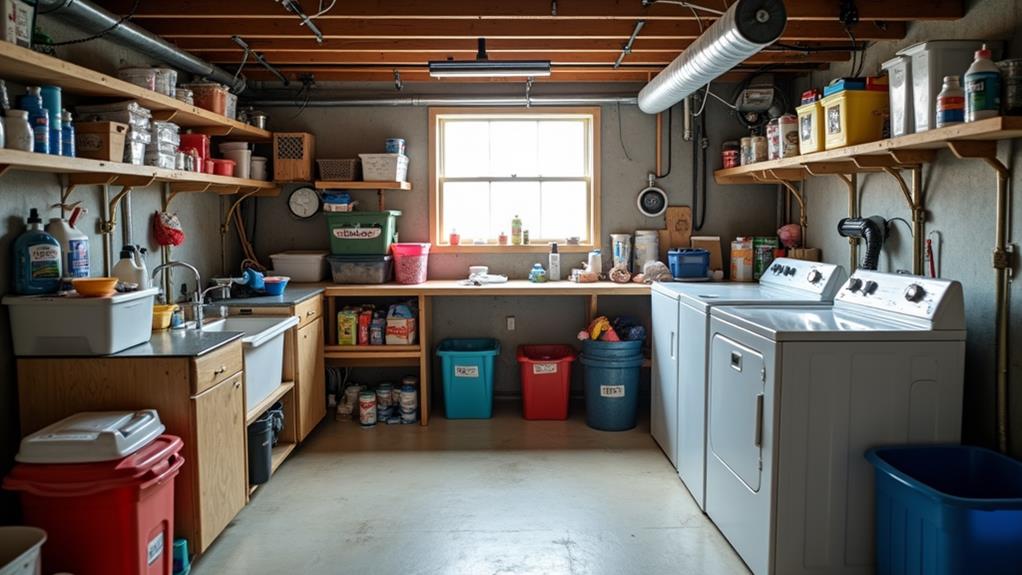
(107, 239)
(1002, 277)
(92, 19)
(918, 223)
(627, 48)
(659, 141)
(126, 235)
(425, 101)
(686, 120)
(853, 212)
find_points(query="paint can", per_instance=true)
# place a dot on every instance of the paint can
(787, 135)
(622, 250)
(409, 402)
(745, 151)
(647, 248)
(773, 132)
(762, 254)
(730, 153)
(367, 409)
(759, 149)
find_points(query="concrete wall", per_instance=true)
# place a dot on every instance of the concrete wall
(960, 201)
(627, 156)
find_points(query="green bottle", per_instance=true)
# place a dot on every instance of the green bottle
(516, 231)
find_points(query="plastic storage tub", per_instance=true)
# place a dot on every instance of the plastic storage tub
(689, 263)
(546, 380)
(810, 128)
(854, 117)
(260, 449)
(71, 325)
(300, 266)
(899, 81)
(467, 367)
(365, 233)
(384, 167)
(612, 392)
(20, 550)
(411, 263)
(931, 61)
(106, 517)
(943, 510)
(361, 269)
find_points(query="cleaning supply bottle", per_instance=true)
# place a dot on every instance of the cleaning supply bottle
(131, 268)
(516, 231)
(36, 259)
(982, 87)
(74, 245)
(38, 117)
(67, 134)
(554, 267)
(950, 103)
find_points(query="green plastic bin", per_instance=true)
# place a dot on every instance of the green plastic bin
(366, 233)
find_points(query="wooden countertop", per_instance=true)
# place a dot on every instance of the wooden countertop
(511, 288)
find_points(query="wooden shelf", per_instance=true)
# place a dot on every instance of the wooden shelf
(262, 406)
(511, 288)
(280, 453)
(333, 352)
(332, 185)
(911, 149)
(28, 67)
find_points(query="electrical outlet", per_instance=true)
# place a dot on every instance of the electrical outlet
(510, 323)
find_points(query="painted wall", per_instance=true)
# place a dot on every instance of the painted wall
(627, 156)
(960, 201)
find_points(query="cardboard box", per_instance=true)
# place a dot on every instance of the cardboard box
(712, 245)
(18, 17)
(401, 331)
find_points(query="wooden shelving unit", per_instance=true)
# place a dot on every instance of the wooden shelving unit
(260, 408)
(380, 187)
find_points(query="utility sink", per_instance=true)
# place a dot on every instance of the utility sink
(263, 349)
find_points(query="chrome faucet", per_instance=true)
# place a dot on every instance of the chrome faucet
(197, 295)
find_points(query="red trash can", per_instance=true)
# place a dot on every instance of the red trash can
(546, 380)
(104, 517)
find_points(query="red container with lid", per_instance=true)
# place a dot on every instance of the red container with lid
(104, 517)
(197, 142)
(546, 380)
(223, 167)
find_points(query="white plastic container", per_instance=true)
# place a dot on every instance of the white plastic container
(931, 61)
(242, 162)
(92, 436)
(301, 266)
(263, 350)
(384, 167)
(74, 325)
(647, 249)
(899, 78)
(20, 550)
(257, 170)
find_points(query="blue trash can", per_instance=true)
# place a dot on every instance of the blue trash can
(612, 391)
(599, 349)
(947, 510)
(467, 367)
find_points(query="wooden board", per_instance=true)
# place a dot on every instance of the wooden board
(678, 230)
(511, 288)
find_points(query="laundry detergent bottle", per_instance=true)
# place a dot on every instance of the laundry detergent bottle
(37, 259)
(74, 245)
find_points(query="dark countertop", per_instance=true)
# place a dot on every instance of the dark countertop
(293, 295)
(180, 343)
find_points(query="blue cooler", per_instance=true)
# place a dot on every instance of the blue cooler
(467, 367)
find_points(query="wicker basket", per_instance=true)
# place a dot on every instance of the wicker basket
(346, 170)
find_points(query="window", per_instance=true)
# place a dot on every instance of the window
(489, 166)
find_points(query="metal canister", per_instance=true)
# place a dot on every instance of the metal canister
(745, 151)
(367, 409)
(1011, 71)
(762, 254)
(759, 149)
(787, 135)
(409, 403)
(773, 139)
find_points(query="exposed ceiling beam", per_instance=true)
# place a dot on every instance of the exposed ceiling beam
(906, 10)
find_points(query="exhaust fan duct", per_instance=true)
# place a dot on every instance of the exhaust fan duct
(873, 230)
(747, 27)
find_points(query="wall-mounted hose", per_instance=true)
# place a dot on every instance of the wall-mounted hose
(873, 230)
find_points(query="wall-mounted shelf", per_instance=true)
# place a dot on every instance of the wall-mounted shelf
(334, 185)
(28, 67)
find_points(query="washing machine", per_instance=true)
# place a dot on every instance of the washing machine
(681, 322)
(798, 394)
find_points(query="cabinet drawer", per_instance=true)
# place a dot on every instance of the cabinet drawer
(217, 366)
(308, 311)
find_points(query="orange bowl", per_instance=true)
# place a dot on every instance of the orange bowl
(95, 287)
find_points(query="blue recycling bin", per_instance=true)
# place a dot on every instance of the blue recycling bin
(467, 367)
(611, 391)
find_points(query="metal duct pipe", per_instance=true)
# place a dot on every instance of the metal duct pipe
(747, 27)
(872, 230)
(418, 101)
(92, 19)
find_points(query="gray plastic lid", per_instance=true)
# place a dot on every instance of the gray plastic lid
(92, 436)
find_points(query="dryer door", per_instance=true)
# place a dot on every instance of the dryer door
(737, 382)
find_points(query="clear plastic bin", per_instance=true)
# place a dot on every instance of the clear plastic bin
(361, 269)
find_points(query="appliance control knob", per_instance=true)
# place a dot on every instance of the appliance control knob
(789, 271)
(814, 276)
(914, 292)
(776, 268)
(870, 288)
(854, 284)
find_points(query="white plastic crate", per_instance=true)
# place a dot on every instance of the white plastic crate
(931, 61)
(384, 167)
(300, 266)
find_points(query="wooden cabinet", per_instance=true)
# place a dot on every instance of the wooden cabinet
(201, 400)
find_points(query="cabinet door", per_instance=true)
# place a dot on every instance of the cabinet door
(664, 401)
(220, 438)
(311, 381)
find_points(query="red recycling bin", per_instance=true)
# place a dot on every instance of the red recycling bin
(105, 517)
(546, 380)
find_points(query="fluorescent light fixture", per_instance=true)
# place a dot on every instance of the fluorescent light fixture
(483, 67)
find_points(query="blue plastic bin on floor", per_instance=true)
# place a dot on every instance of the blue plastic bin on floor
(599, 349)
(467, 366)
(947, 510)
(612, 392)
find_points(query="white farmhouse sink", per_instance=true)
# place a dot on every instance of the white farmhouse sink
(263, 348)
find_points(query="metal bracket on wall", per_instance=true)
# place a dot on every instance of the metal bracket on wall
(127, 183)
(914, 198)
(847, 172)
(783, 177)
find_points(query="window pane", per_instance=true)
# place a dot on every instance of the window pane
(466, 205)
(562, 148)
(508, 199)
(466, 151)
(564, 209)
(513, 149)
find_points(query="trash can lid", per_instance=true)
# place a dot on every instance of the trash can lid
(92, 436)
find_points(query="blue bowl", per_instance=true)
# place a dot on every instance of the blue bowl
(275, 287)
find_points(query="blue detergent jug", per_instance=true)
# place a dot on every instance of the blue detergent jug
(37, 268)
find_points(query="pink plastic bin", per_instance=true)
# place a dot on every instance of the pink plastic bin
(410, 262)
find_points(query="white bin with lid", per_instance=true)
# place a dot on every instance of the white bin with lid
(931, 61)
(55, 325)
(92, 436)
(899, 79)
(301, 266)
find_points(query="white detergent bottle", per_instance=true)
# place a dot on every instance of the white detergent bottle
(554, 268)
(982, 87)
(131, 267)
(74, 245)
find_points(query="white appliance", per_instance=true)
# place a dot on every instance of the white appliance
(798, 394)
(681, 324)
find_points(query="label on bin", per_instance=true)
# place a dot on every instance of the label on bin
(612, 391)
(541, 368)
(154, 549)
(357, 233)
(466, 371)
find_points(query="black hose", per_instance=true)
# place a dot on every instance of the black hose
(698, 165)
(872, 230)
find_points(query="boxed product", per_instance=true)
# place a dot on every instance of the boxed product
(347, 327)
(401, 325)
(17, 27)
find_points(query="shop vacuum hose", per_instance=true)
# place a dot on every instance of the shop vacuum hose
(872, 229)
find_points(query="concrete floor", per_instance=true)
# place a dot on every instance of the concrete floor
(501, 496)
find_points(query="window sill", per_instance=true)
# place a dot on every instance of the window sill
(492, 249)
